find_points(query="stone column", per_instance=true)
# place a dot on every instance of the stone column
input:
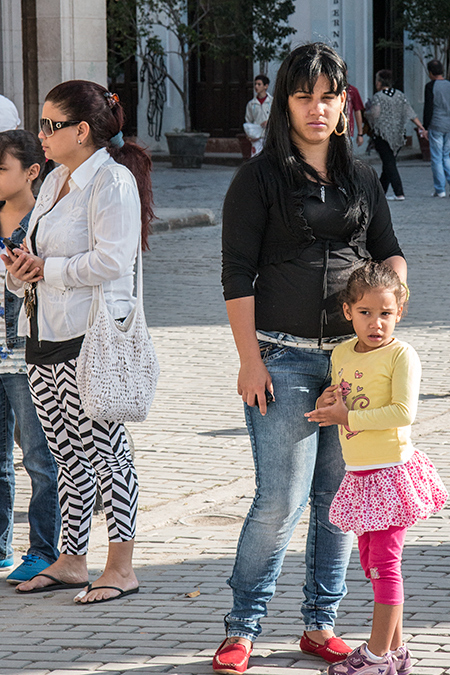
(11, 53)
(44, 42)
(71, 41)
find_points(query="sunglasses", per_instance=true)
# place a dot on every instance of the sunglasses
(48, 127)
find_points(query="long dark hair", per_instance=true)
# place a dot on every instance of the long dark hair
(90, 102)
(301, 69)
(26, 147)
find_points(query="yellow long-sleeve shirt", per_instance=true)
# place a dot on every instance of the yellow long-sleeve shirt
(381, 391)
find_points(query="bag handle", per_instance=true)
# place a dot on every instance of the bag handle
(98, 295)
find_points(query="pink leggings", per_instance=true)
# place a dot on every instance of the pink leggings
(380, 553)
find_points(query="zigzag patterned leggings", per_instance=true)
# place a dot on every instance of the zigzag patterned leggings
(85, 452)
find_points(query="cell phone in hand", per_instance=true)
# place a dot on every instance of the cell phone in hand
(269, 398)
(10, 244)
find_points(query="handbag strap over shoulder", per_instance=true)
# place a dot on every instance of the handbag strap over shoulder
(98, 296)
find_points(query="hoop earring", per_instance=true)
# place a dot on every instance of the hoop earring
(344, 130)
(288, 120)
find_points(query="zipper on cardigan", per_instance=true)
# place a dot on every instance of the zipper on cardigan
(323, 313)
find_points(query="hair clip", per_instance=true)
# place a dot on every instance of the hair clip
(112, 99)
(117, 140)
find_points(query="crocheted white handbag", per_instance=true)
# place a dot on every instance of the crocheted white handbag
(117, 368)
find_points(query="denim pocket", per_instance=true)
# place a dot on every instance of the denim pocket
(271, 351)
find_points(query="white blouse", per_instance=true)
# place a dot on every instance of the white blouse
(71, 270)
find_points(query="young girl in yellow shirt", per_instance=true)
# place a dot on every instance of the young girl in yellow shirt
(388, 484)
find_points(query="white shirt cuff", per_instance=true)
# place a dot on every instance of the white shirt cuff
(53, 271)
(15, 285)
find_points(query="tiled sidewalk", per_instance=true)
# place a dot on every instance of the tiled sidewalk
(196, 480)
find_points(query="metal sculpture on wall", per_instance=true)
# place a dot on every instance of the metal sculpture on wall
(154, 70)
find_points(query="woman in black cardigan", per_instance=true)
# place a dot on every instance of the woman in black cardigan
(297, 220)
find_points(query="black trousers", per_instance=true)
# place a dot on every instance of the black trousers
(389, 173)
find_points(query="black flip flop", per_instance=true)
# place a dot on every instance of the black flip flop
(122, 594)
(58, 585)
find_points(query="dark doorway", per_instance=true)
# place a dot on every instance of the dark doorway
(122, 65)
(30, 67)
(125, 84)
(220, 91)
(386, 26)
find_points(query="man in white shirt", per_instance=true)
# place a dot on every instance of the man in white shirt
(257, 113)
(9, 116)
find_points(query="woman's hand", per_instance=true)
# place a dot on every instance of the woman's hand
(24, 265)
(336, 413)
(253, 380)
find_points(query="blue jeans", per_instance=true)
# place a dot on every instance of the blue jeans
(440, 158)
(43, 513)
(295, 461)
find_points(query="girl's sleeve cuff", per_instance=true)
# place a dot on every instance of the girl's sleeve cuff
(352, 420)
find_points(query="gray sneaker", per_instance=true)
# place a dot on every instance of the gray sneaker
(402, 660)
(358, 663)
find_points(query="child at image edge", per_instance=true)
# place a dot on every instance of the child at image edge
(388, 484)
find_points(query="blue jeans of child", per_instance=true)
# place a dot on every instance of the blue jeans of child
(440, 158)
(295, 462)
(43, 513)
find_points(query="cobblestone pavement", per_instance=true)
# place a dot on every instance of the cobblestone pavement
(196, 478)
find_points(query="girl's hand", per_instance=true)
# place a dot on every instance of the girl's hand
(253, 380)
(24, 266)
(337, 413)
(327, 397)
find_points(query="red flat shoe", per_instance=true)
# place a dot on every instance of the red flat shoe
(333, 651)
(231, 658)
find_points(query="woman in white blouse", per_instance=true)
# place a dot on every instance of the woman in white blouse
(81, 130)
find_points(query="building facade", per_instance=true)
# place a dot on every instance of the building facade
(352, 27)
(43, 42)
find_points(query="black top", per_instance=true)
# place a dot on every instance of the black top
(45, 352)
(294, 254)
(428, 104)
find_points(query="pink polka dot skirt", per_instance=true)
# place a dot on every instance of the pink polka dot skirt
(397, 495)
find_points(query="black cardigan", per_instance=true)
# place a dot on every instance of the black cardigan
(270, 251)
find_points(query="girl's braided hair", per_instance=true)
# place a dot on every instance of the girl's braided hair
(370, 276)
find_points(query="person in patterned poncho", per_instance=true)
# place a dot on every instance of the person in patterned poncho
(387, 113)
